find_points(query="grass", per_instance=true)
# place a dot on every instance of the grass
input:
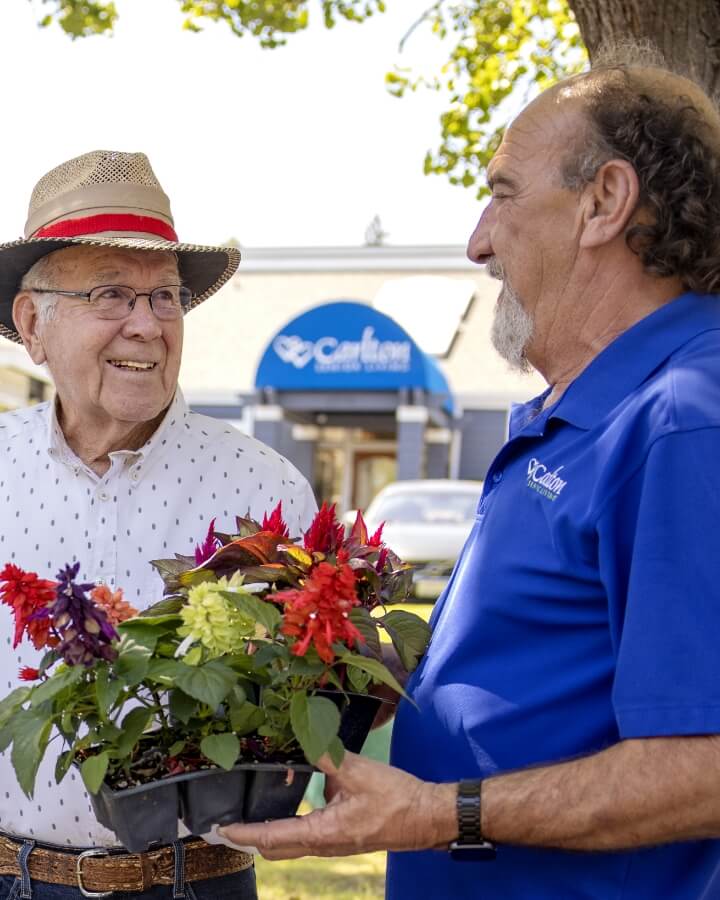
(353, 878)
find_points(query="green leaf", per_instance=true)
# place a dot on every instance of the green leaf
(246, 717)
(166, 606)
(148, 625)
(176, 748)
(13, 701)
(107, 690)
(62, 765)
(257, 610)
(358, 680)
(222, 749)
(182, 707)
(209, 683)
(56, 683)
(336, 751)
(133, 725)
(410, 635)
(368, 628)
(375, 669)
(31, 732)
(93, 771)
(315, 722)
(164, 671)
(142, 632)
(134, 654)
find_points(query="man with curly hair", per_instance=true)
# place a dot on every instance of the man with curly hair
(568, 707)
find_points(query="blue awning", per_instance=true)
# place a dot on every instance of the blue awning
(348, 346)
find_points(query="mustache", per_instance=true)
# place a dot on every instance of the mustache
(494, 268)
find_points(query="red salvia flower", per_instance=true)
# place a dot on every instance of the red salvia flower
(274, 523)
(204, 551)
(325, 533)
(27, 673)
(319, 612)
(28, 596)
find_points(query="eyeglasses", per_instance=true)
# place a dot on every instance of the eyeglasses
(115, 301)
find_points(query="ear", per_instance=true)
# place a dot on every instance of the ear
(610, 202)
(25, 317)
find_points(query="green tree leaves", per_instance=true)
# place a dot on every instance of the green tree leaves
(81, 18)
(500, 54)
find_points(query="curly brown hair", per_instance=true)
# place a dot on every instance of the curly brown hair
(671, 137)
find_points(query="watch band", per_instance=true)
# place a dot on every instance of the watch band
(470, 843)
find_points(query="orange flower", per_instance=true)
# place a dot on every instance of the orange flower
(116, 608)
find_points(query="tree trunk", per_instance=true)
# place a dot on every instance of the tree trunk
(687, 32)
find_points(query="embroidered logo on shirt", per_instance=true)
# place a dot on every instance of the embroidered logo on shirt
(547, 484)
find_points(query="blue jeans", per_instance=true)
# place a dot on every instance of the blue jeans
(239, 886)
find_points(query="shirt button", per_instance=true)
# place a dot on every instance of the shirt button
(497, 477)
(103, 495)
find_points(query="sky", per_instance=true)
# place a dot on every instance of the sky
(297, 146)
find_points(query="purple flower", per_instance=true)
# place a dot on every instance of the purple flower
(204, 551)
(84, 628)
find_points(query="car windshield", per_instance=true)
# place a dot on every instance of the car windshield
(425, 507)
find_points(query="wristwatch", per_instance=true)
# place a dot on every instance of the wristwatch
(470, 844)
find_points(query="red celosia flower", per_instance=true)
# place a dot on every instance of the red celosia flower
(28, 595)
(274, 523)
(27, 673)
(376, 539)
(319, 612)
(204, 551)
(382, 559)
(325, 533)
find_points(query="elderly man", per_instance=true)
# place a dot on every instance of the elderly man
(115, 472)
(573, 670)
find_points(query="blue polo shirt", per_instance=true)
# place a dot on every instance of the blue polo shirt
(584, 609)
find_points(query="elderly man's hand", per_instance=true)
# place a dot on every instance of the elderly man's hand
(372, 807)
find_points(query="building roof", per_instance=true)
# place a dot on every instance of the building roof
(226, 336)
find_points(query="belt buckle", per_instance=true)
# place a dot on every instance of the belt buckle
(78, 873)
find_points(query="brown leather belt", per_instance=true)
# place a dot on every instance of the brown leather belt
(100, 871)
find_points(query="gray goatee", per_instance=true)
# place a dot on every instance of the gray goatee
(512, 327)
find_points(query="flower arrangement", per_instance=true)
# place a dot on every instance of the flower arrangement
(247, 658)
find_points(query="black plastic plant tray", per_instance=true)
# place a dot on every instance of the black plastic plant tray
(274, 790)
(212, 797)
(142, 815)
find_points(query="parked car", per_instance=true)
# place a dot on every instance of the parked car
(426, 524)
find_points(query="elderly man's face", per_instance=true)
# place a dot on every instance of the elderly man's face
(528, 234)
(91, 358)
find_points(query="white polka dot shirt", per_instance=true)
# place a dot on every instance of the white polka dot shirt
(150, 504)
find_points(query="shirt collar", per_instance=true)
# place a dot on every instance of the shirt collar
(633, 356)
(173, 422)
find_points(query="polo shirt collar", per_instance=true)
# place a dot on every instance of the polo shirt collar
(633, 356)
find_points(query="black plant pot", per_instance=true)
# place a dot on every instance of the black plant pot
(142, 815)
(212, 797)
(357, 713)
(274, 790)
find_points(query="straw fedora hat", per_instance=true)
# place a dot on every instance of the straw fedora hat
(106, 199)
